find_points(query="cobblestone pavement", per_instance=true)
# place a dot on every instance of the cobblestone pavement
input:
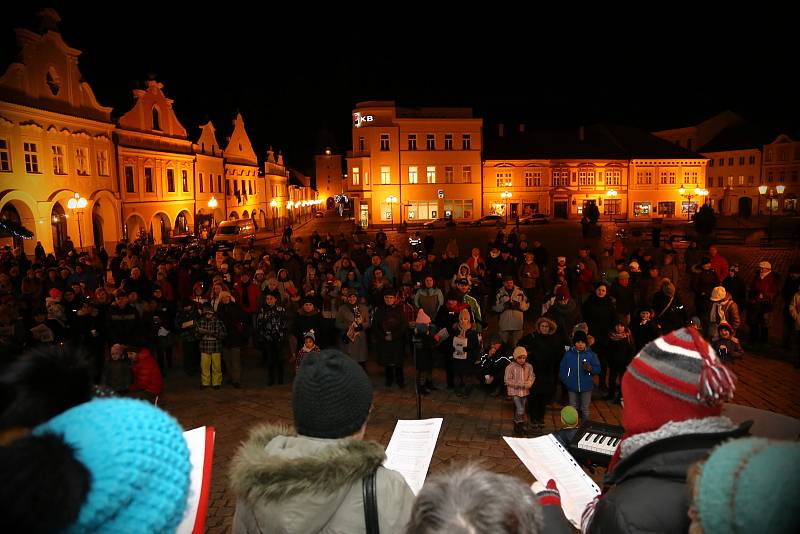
(472, 429)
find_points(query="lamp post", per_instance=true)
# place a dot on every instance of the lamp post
(689, 195)
(770, 194)
(274, 205)
(76, 204)
(505, 195)
(391, 200)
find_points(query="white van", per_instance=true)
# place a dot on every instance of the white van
(237, 232)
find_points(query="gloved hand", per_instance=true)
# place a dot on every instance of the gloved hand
(547, 495)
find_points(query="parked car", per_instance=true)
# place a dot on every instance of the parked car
(236, 232)
(441, 222)
(536, 218)
(489, 220)
(319, 214)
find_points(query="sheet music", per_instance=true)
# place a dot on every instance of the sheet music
(411, 448)
(546, 458)
(196, 441)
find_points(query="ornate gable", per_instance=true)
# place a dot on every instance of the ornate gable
(207, 144)
(153, 113)
(239, 149)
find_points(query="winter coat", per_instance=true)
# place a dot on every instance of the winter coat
(566, 316)
(619, 352)
(389, 326)
(727, 349)
(624, 297)
(644, 333)
(646, 491)
(146, 375)
(495, 365)
(670, 312)
(599, 314)
(736, 288)
(471, 351)
(528, 275)
(511, 306)
(270, 324)
(248, 295)
(430, 300)
(236, 324)
(124, 325)
(184, 316)
(572, 373)
(544, 354)
(357, 349)
(305, 322)
(725, 310)
(210, 332)
(285, 483)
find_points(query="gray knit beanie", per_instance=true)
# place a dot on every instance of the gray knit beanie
(332, 395)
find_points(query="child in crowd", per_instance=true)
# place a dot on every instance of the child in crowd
(578, 366)
(619, 353)
(309, 345)
(117, 372)
(493, 365)
(519, 378)
(644, 329)
(726, 345)
(147, 380)
(211, 331)
(569, 425)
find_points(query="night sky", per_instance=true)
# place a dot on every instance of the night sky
(295, 76)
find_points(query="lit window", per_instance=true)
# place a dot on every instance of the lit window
(466, 174)
(386, 175)
(82, 161)
(586, 177)
(412, 175)
(356, 176)
(431, 175)
(185, 181)
(31, 158)
(612, 178)
(448, 175)
(58, 160)
(102, 162)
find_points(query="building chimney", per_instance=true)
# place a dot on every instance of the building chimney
(580, 134)
(521, 128)
(500, 130)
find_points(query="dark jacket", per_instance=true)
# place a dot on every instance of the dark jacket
(646, 492)
(389, 326)
(566, 316)
(599, 314)
(670, 312)
(236, 323)
(644, 333)
(624, 297)
(544, 354)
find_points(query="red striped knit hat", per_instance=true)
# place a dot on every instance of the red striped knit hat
(674, 378)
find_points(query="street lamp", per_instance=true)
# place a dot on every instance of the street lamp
(611, 193)
(770, 194)
(76, 204)
(391, 199)
(505, 195)
(689, 195)
(274, 205)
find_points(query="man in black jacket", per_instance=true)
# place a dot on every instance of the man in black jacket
(672, 418)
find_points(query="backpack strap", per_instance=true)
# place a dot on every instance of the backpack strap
(370, 503)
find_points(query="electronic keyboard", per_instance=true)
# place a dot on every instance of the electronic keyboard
(595, 442)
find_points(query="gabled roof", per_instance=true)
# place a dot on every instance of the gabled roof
(240, 149)
(740, 137)
(599, 141)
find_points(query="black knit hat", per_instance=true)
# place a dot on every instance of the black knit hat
(580, 335)
(332, 395)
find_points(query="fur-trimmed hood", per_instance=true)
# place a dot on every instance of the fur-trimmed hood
(297, 483)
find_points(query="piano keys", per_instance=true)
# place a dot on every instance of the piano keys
(595, 442)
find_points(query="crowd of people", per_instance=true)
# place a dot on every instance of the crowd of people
(506, 319)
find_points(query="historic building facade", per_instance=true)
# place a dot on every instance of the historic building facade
(328, 174)
(414, 164)
(56, 142)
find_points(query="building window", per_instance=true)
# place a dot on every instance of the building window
(741, 180)
(210, 183)
(466, 142)
(356, 176)
(384, 142)
(782, 155)
(528, 179)
(386, 175)
(782, 176)
(466, 174)
(560, 178)
(82, 161)
(200, 182)
(752, 160)
(503, 179)
(613, 177)
(361, 144)
(31, 158)
(770, 177)
(386, 211)
(219, 183)
(5, 156)
(412, 141)
(430, 174)
(58, 160)
(430, 142)
(448, 175)
(102, 162)
(688, 207)
(171, 180)
(129, 179)
(458, 209)
(586, 178)
(612, 206)
(448, 141)
(768, 157)
(730, 162)
(412, 175)
(641, 209)
(719, 181)
(250, 187)
(741, 160)
(644, 177)
(423, 209)
(750, 180)
(711, 162)
(185, 180)
(148, 179)
(721, 162)
(156, 120)
(533, 179)
(666, 209)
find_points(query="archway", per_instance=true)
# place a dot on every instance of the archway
(58, 223)
(245, 215)
(105, 220)
(745, 207)
(233, 216)
(135, 227)
(97, 226)
(182, 223)
(160, 228)
(262, 217)
(10, 216)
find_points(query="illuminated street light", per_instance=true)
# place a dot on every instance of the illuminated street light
(689, 195)
(505, 195)
(76, 204)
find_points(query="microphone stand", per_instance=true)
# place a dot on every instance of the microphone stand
(416, 378)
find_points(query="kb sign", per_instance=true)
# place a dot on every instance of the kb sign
(359, 119)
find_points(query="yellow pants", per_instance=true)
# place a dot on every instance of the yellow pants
(211, 369)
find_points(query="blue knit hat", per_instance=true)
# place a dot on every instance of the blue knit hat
(138, 461)
(750, 485)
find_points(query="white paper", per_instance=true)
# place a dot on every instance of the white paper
(196, 441)
(411, 448)
(546, 458)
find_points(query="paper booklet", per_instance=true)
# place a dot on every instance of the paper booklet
(411, 448)
(546, 458)
(201, 451)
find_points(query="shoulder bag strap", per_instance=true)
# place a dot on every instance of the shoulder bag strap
(370, 503)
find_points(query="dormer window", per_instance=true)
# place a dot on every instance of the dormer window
(156, 120)
(53, 81)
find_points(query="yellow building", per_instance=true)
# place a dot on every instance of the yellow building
(328, 174)
(276, 179)
(414, 164)
(242, 184)
(55, 143)
(209, 170)
(624, 171)
(156, 165)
